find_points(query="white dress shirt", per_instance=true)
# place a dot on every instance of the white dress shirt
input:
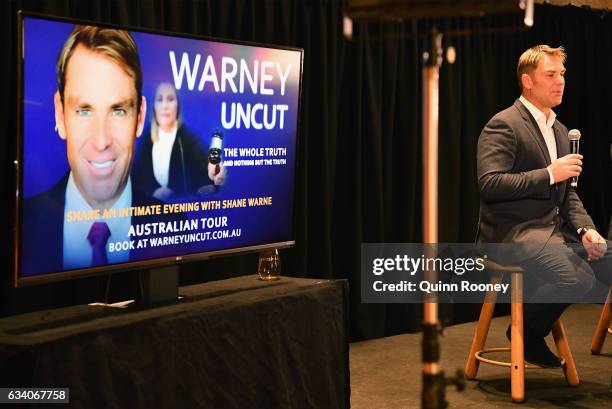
(162, 149)
(77, 250)
(546, 127)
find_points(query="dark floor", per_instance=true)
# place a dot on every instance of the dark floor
(385, 373)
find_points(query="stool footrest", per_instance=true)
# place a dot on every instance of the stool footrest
(481, 358)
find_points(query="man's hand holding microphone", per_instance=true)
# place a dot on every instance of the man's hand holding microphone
(570, 166)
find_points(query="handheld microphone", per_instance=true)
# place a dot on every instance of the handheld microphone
(214, 151)
(214, 158)
(574, 138)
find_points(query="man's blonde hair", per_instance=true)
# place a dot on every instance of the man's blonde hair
(529, 60)
(118, 45)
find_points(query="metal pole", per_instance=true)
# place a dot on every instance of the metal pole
(433, 379)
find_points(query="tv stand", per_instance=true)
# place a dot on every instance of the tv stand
(159, 285)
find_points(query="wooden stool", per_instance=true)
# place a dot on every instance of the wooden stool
(603, 327)
(517, 363)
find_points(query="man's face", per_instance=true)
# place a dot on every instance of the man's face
(99, 119)
(544, 86)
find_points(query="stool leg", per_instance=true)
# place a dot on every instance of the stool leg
(602, 325)
(569, 369)
(482, 329)
(517, 353)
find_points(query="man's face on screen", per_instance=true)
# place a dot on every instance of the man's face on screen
(547, 82)
(99, 119)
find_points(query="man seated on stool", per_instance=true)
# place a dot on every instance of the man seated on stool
(524, 164)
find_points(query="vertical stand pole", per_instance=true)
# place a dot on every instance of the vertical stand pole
(433, 379)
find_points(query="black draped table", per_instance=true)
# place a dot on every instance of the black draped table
(237, 343)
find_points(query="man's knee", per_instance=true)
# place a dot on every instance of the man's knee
(577, 284)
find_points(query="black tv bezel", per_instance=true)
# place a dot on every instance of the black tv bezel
(132, 265)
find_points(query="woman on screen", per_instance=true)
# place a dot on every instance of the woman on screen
(171, 163)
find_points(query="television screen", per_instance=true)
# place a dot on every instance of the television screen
(142, 148)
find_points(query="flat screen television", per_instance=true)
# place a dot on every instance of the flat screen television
(142, 148)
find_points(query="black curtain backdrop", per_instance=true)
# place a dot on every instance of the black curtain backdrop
(359, 176)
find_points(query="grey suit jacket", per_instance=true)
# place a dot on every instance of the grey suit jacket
(517, 202)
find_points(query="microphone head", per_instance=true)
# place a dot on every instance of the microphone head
(574, 135)
(217, 134)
